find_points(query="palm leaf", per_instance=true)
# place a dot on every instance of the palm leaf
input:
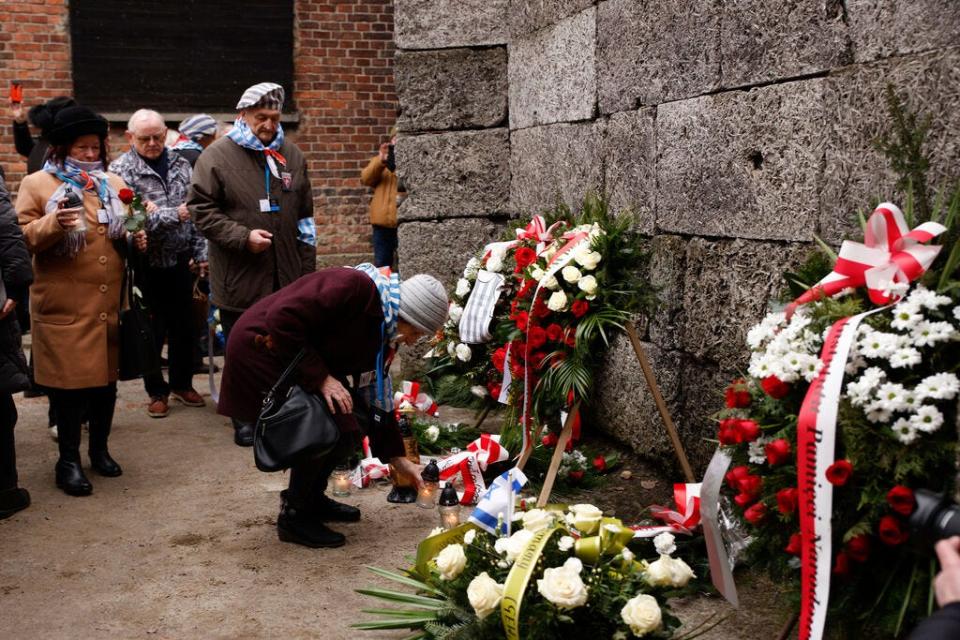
(407, 580)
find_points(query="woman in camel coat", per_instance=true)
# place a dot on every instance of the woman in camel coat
(75, 297)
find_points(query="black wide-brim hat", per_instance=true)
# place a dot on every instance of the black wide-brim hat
(72, 122)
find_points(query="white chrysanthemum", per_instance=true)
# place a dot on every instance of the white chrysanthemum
(878, 344)
(904, 430)
(463, 287)
(927, 333)
(455, 312)
(856, 363)
(463, 352)
(910, 400)
(927, 419)
(906, 316)
(571, 274)
(810, 367)
(565, 543)
(941, 386)
(905, 357)
(893, 289)
(923, 297)
(760, 366)
(890, 397)
(557, 301)
(878, 416)
(757, 335)
(956, 313)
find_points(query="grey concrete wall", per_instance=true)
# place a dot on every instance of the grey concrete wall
(735, 129)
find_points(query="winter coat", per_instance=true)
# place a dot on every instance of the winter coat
(74, 302)
(17, 275)
(383, 204)
(168, 238)
(35, 150)
(336, 315)
(224, 200)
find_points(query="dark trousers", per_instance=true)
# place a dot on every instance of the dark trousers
(96, 404)
(308, 479)
(227, 320)
(169, 296)
(8, 451)
(384, 245)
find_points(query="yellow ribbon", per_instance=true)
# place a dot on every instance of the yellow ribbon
(610, 541)
(428, 548)
(517, 581)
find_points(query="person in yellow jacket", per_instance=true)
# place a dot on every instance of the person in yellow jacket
(379, 175)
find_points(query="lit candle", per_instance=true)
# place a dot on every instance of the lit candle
(427, 496)
(449, 507)
(341, 482)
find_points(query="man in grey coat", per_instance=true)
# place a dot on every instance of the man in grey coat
(251, 197)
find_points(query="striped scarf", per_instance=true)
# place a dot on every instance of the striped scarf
(184, 143)
(95, 181)
(388, 286)
(243, 136)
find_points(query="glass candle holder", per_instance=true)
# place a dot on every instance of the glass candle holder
(427, 496)
(340, 478)
(449, 507)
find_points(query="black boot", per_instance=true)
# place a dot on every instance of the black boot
(301, 527)
(13, 500)
(102, 463)
(71, 479)
(329, 510)
(242, 433)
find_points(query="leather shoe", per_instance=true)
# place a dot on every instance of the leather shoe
(13, 500)
(188, 398)
(71, 479)
(293, 525)
(330, 510)
(242, 434)
(102, 463)
(158, 407)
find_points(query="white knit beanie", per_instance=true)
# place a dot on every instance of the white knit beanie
(423, 303)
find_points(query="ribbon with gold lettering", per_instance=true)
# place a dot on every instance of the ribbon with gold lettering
(519, 578)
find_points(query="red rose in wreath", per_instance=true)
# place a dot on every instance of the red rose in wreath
(524, 257)
(775, 387)
(126, 195)
(777, 452)
(536, 337)
(554, 332)
(794, 545)
(498, 358)
(737, 396)
(901, 500)
(859, 548)
(787, 500)
(550, 440)
(756, 514)
(891, 531)
(600, 464)
(522, 319)
(579, 307)
(575, 476)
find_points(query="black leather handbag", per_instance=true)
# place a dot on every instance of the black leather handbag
(293, 425)
(138, 350)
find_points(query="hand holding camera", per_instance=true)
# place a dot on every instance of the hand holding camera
(70, 214)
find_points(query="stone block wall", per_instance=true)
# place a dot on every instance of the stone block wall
(736, 130)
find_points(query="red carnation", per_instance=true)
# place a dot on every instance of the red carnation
(536, 337)
(600, 464)
(841, 567)
(795, 545)
(518, 351)
(498, 358)
(858, 548)
(550, 440)
(516, 369)
(527, 288)
(737, 396)
(733, 476)
(522, 319)
(579, 307)
(540, 308)
(575, 476)
(901, 500)
(126, 195)
(839, 472)
(891, 531)
(750, 484)
(554, 332)
(775, 387)
(787, 500)
(756, 513)
(777, 451)
(524, 257)
(749, 430)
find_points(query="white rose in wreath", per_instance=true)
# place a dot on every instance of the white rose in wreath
(451, 561)
(432, 433)
(452, 349)
(588, 284)
(537, 273)
(550, 282)
(557, 301)
(456, 311)
(669, 572)
(585, 517)
(514, 545)
(463, 353)
(587, 259)
(494, 263)
(642, 614)
(463, 287)
(484, 594)
(571, 274)
(665, 543)
(470, 272)
(537, 519)
(563, 586)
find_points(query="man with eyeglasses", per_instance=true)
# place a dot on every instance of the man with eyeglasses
(176, 252)
(251, 197)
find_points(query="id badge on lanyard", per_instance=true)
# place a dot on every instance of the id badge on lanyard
(268, 204)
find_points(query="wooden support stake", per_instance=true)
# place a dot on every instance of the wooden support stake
(788, 627)
(483, 416)
(661, 405)
(565, 436)
(524, 457)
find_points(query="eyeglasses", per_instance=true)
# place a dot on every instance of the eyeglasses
(147, 139)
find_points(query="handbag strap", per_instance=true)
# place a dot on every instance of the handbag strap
(282, 380)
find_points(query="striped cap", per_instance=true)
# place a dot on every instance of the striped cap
(266, 95)
(197, 126)
(423, 303)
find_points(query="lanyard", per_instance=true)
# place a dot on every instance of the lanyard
(266, 174)
(379, 391)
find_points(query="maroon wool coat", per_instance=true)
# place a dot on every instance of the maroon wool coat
(335, 314)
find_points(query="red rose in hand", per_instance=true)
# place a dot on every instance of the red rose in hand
(858, 548)
(901, 500)
(795, 545)
(734, 475)
(777, 451)
(774, 387)
(737, 396)
(550, 440)
(536, 337)
(839, 472)
(579, 307)
(787, 500)
(498, 358)
(891, 531)
(522, 319)
(750, 485)
(554, 332)
(524, 257)
(125, 195)
(841, 567)
(749, 430)
(575, 476)
(755, 514)
(600, 464)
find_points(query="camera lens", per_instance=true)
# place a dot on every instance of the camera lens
(936, 517)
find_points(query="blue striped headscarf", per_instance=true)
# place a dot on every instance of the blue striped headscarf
(388, 286)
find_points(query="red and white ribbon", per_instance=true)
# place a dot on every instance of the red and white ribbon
(537, 231)
(685, 519)
(488, 450)
(890, 254)
(411, 396)
(369, 469)
(465, 466)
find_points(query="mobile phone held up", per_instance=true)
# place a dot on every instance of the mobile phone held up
(391, 159)
(16, 92)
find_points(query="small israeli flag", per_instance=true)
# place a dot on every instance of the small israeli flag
(498, 501)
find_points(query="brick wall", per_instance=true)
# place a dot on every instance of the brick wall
(343, 91)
